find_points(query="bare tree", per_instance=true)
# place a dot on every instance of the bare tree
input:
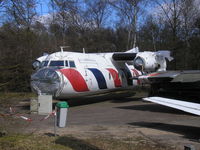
(170, 12)
(188, 17)
(65, 15)
(97, 12)
(2, 11)
(21, 15)
(128, 11)
(23, 12)
(2, 4)
(179, 16)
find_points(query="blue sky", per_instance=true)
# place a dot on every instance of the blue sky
(42, 7)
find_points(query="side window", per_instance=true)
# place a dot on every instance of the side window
(72, 64)
(66, 63)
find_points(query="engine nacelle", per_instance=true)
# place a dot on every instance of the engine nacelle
(152, 61)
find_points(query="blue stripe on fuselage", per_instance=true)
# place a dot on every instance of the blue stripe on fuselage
(99, 77)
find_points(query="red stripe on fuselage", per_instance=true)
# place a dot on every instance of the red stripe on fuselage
(115, 76)
(136, 74)
(76, 79)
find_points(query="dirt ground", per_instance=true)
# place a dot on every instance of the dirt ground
(117, 115)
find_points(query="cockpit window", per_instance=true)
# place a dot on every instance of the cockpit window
(72, 64)
(44, 63)
(57, 63)
(66, 63)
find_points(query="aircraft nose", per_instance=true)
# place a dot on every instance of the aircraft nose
(45, 81)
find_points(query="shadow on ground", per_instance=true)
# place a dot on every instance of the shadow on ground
(114, 97)
(75, 144)
(189, 132)
(155, 108)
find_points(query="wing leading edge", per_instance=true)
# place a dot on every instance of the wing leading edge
(172, 76)
(189, 107)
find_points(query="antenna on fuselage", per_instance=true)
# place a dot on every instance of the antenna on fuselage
(84, 50)
(62, 47)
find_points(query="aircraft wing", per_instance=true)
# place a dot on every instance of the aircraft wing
(172, 76)
(189, 107)
(181, 87)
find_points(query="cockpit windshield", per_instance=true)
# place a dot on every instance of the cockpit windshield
(57, 63)
(72, 64)
(44, 63)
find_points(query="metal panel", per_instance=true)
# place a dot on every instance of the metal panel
(45, 104)
(189, 107)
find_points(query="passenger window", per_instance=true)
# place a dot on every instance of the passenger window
(72, 64)
(66, 63)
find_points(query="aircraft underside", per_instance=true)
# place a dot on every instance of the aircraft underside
(94, 93)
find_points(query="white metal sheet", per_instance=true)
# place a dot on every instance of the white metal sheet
(189, 107)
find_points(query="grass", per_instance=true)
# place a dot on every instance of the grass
(29, 142)
(8, 99)
(137, 143)
(44, 142)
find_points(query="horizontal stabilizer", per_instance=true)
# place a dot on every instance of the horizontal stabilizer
(189, 107)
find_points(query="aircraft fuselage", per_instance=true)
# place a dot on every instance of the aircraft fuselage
(69, 74)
